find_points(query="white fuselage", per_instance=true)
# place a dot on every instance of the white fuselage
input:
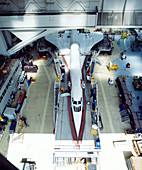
(76, 89)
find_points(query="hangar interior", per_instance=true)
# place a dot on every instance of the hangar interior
(35, 125)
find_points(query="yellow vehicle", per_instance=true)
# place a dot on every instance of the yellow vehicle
(112, 67)
(124, 35)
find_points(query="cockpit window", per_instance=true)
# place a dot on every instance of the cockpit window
(77, 102)
(77, 109)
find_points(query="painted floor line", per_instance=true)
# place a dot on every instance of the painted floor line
(106, 106)
(105, 99)
(46, 101)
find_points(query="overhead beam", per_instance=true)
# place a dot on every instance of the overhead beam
(66, 20)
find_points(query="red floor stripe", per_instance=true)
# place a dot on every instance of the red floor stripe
(65, 63)
(73, 131)
(84, 109)
(71, 121)
(69, 107)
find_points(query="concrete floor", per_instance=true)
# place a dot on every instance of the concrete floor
(135, 60)
(4, 143)
(37, 140)
(38, 109)
(38, 106)
(108, 95)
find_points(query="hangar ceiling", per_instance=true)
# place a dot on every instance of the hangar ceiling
(110, 12)
(30, 20)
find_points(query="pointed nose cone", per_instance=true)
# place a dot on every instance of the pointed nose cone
(77, 127)
(77, 122)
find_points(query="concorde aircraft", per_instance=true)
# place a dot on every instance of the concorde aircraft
(79, 45)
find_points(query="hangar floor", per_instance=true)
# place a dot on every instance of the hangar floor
(108, 95)
(37, 140)
(38, 108)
